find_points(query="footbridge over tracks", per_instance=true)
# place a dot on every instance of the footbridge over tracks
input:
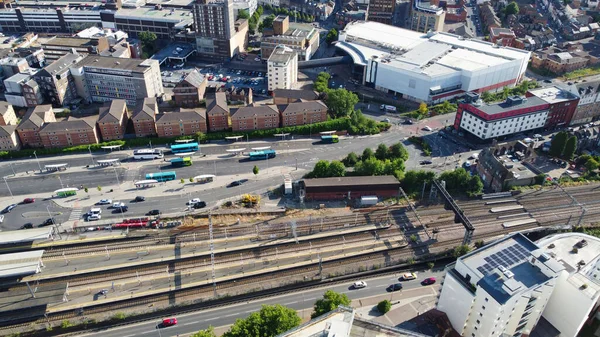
(459, 215)
(325, 62)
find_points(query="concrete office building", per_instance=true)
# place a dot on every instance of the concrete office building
(302, 38)
(218, 34)
(55, 81)
(381, 11)
(282, 68)
(103, 79)
(58, 47)
(22, 90)
(426, 17)
(428, 67)
(500, 289)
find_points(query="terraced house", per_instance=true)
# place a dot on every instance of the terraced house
(31, 124)
(255, 117)
(71, 132)
(112, 120)
(301, 113)
(186, 122)
(144, 118)
(190, 91)
(217, 112)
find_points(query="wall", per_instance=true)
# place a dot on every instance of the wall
(455, 301)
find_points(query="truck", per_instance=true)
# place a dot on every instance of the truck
(387, 108)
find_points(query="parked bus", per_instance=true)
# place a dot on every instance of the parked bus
(330, 139)
(183, 148)
(161, 176)
(265, 154)
(66, 192)
(148, 154)
(180, 162)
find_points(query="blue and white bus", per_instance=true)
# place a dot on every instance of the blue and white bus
(260, 155)
(161, 176)
(184, 148)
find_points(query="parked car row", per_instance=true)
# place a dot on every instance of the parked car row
(398, 286)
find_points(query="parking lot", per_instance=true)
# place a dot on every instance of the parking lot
(34, 213)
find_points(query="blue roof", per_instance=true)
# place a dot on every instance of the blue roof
(526, 276)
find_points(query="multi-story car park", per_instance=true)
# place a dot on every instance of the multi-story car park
(429, 67)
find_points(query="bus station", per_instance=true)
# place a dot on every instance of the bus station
(56, 167)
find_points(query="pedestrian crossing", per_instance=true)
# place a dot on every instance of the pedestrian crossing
(75, 214)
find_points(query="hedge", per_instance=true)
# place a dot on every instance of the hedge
(53, 151)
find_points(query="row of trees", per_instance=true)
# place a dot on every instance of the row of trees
(273, 320)
(252, 20)
(293, 14)
(332, 35)
(520, 90)
(563, 146)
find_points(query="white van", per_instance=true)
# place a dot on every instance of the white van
(94, 212)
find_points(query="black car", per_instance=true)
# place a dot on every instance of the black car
(48, 222)
(395, 287)
(121, 209)
(408, 121)
(425, 162)
(237, 182)
(139, 198)
(200, 204)
(28, 225)
(9, 208)
(153, 212)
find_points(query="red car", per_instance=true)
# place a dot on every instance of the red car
(169, 321)
(28, 200)
(428, 281)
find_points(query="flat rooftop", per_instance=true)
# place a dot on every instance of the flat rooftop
(71, 42)
(177, 50)
(553, 95)
(165, 14)
(135, 65)
(20, 264)
(30, 235)
(351, 181)
(506, 106)
(516, 167)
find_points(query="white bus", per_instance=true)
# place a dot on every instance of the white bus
(147, 154)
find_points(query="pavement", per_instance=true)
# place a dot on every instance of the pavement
(413, 299)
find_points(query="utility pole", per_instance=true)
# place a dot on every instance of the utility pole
(91, 156)
(6, 182)
(38, 161)
(212, 252)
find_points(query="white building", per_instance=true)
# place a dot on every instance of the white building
(500, 289)
(282, 68)
(516, 114)
(247, 5)
(429, 67)
(576, 295)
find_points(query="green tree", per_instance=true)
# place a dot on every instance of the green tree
(270, 321)
(350, 160)
(148, 40)
(369, 167)
(486, 96)
(382, 152)
(475, 186)
(557, 146)
(423, 108)
(255, 170)
(86, 189)
(330, 301)
(208, 332)
(398, 151)
(384, 306)
(260, 10)
(461, 250)
(367, 153)
(512, 8)
(414, 179)
(321, 169)
(332, 35)
(591, 164)
(570, 148)
(341, 102)
(446, 107)
(99, 188)
(243, 14)
(392, 166)
(182, 181)
(336, 169)
(266, 23)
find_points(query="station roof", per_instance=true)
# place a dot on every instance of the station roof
(20, 264)
(351, 181)
(29, 235)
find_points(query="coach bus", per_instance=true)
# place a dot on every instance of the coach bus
(180, 162)
(161, 176)
(265, 154)
(330, 139)
(184, 148)
(147, 154)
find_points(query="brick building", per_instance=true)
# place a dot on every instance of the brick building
(285, 96)
(112, 120)
(9, 140)
(562, 105)
(56, 83)
(341, 188)
(7, 114)
(502, 36)
(71, 132)
(144, 118)
(190, 91)
(186, 122)
(217, 112)
(301, 113)
(255, 117)
(58, 46)
(29, 128)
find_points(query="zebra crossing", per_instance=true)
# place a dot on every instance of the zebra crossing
(75, 214)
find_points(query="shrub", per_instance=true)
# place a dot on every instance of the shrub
(119, 316)
(384, 306)
(414, 238)
(66, 324)
(430, 265)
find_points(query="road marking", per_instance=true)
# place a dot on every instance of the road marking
(288, 303)
(231, 314)
(190, 323)
(211, 319)
(75, 214)
(129, 336)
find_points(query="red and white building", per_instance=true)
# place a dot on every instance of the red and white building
(563, 105)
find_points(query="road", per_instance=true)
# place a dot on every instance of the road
(35, 213)
(192, 322)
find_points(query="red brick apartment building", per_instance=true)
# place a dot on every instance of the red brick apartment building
(303, 113)
(112, 120)
(9, 140)
(217, 112)
(190, 90)
(71, 132)
(29, 128)
(144, 118)
(562, 105)
(186, 122)
(7, 114)
(285, 96)
(255, 117)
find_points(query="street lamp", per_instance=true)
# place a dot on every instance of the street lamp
(90, 149)
(6, 182)
(38, 161)
(61, 184)
(116, 175)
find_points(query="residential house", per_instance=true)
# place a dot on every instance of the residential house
(499, 173)
(255, 117)
(588, 108)
(7, 114)
(489, 18)
(502, 36)
(112, 120)
(557, 61)
(144, 118)
(217, 112)
(190, 91)
(72, 132)
(29, 128)
(186, 122)
(9, 141)
(301, 113)
(56, 82)
(239, 95)
(285, 96)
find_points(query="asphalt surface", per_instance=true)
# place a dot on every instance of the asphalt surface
(34, 213)
(192, 322)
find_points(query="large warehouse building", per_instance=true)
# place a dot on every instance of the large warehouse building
(430, 67)
(340, 188)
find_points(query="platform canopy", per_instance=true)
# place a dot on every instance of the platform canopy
(56, 166)
(149, 181)
(111, 147)
(67, 189)
(261, 148)
(327, 133)
(234, 137)
(236, 150)
(107, 161)
(184, 141)
(30, 235)
(186, 154)
(21, 264)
